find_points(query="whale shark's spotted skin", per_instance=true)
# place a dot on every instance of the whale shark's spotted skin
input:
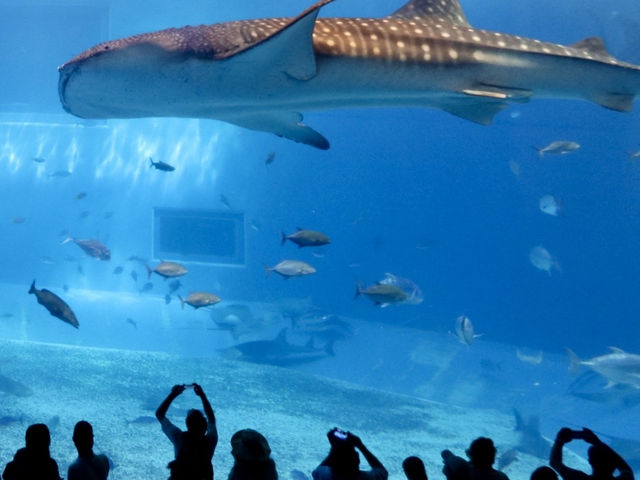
(260, 73)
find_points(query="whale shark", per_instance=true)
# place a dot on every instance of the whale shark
(261, 74)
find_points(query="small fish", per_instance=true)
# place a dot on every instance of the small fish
(54, 422)
(136, 258)
(134, 275)
(532, 359)
(514, 167)
(18, 220)
(559, 147)
(550, 205)
(167, 299)
(55, 305)
(543, 260)
(84, 214)
(168, 269)
(9, 420)
(464, 330)
(60, 173)
(132, 322)
(6, 315)
(147, 287)
(270, 158)
(199, 299)
(291, 268)
(225, 201)
(80, 196)
(65, 288)
(92, 247)
(254, 226)
(107, 215)
(118, 270)
(174, 285)
(165, 167)
(305, 238)
(633, 156)
(80, 270)
(39, 159)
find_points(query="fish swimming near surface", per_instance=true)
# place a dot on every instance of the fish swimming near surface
(167, 270)
(278, 351)
(199, 299)
(165, 167)
(55, 305)
(92, 247)
(559, 147)
(305, 238)
(426, 54)
(618, 367)
(291, 268)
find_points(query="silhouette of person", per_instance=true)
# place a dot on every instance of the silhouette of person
(34, 460)
(544, 473)
(193, 448)
(88, 465)
(251, 457)
(603, 459)
(343, 461)
(482, 455)
(414, 468)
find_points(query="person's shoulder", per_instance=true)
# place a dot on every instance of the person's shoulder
(374, 474)
(322, 472)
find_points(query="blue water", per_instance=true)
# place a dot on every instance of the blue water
(414, 192)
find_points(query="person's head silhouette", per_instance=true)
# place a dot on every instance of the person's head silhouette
(482, 452)
(38, 439)
(83, 437)
(601, 461)
(196, 423)
(544, 473)
(414, 468)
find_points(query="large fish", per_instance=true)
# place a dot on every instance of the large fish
(618, 367)
(278, 351)
(92, 247)
(55, 305)
(260, 74)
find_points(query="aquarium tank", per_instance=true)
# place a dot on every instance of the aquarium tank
(417, 223)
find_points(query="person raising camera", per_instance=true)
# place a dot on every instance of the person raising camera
(343, 461)
(193, 448)
(603, 459)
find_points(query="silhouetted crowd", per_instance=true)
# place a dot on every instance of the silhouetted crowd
(194, 450)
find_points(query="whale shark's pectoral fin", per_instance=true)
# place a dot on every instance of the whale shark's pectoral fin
(283, 124)
(288, 50)
(481, 103)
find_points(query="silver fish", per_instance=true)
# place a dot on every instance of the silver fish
(291, 268)
(618, 367)
(464, 330)
(559, 147)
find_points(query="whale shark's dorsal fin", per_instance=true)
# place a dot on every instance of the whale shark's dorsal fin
(592, 45)
(440, 10)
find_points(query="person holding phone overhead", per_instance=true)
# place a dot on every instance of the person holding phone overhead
(343, 461)
(193, 448)
(603, 459)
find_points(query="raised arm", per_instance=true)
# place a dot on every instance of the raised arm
(626, 473)
(370, 457)
(565, 435)
(208, 411)
(161, 412)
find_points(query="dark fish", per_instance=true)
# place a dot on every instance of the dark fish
(56, 306)
(132, 322)
(18, 220)
(80, 270)
(507, 458)
(80, 195)
(13, 387)
(382, 295)
(136, 258)
(225, 201)
(134, 275)
(93, 248)
(531, 440)
(6, 315)
(167, 269)
(9, 420)
(270, 158)
(278, 351)
(167, 299)
(107, 215)
(147, 287)
(65, 288)
(118, 270)
(298, 475)
(165, 167)
(39, 159)
(84, 214)
(174, 285)
(143, 420)
(306, 238)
